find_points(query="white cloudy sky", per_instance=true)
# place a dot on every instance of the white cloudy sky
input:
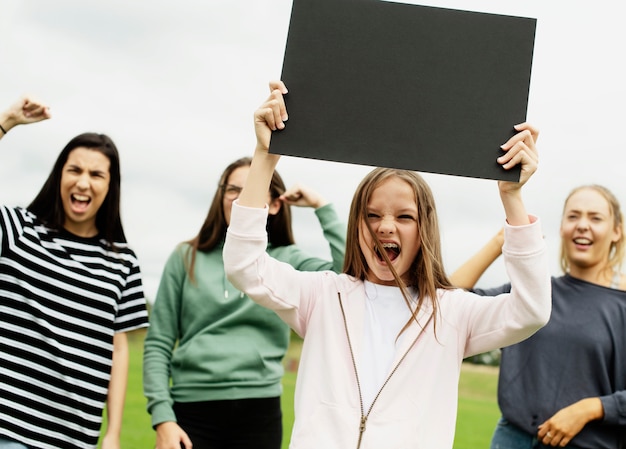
(175, 85)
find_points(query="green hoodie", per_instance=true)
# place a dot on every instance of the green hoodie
(208, 341)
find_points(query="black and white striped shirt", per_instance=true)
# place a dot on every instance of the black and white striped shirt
(62, 298)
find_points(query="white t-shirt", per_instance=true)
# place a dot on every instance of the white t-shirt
(386, 313)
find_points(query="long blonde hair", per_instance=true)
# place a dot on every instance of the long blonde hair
(427, 273)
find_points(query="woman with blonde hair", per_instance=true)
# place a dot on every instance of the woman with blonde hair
(566, 385)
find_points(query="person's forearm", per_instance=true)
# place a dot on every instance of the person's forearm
(335, 234)
(117, 385)
(5, 124)
(514, 208)
(257, 185)
(25, 110)
(592, 408)
(468, 274)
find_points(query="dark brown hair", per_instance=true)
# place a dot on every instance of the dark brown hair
(213, 230)
(48, 205)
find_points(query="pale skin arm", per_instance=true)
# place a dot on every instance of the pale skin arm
(25, 110)
(468, 274)
(117, 392)
(569, 421)
(170, 436)
(519, 149)
(303, 196)
(269, 117)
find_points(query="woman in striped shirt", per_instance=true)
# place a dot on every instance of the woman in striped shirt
(70, 290)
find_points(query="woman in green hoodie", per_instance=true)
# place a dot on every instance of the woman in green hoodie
(213, 358)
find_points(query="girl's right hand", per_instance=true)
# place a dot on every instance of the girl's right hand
(270, 116)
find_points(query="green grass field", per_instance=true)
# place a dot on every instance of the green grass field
(478, 411)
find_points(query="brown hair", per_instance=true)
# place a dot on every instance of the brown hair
(213, 229)
(616, 253)
(427, 273)
(48, 205)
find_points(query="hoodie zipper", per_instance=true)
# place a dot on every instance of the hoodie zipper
(364, 416)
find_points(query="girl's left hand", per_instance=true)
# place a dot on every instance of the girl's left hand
(520, 149)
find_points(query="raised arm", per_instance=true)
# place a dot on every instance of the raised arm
(303, 196)
(269, 117)
(468, 274)
(519, 149)
(333, 228)
(25, 110)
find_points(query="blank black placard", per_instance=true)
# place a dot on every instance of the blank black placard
(406, 86)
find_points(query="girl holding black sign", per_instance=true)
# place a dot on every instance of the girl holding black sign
(384, 341)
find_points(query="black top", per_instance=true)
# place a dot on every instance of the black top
(580, 353)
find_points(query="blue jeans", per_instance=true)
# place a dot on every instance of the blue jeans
(5, 443)
(508, 436)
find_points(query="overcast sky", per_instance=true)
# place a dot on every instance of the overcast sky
(175, 85)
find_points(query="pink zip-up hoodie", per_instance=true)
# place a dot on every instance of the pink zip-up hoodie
(416, 407)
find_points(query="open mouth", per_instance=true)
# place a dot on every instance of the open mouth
(391, 249)
(582, 242)
(80, 202)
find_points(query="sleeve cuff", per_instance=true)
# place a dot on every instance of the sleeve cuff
(248, 221)
(524, 239)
